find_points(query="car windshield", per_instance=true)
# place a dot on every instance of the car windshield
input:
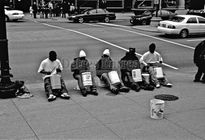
(177, 19)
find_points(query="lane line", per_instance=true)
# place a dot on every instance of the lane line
(196, 39)
(171, 42)
(101, 40)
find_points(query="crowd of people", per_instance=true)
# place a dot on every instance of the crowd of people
(52, 9)
(134, 74)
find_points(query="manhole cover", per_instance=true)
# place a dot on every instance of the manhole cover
(166, 97)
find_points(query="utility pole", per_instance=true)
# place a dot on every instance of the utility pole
(5, 83)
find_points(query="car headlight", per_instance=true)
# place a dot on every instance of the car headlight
(171, 26)
(73, 16)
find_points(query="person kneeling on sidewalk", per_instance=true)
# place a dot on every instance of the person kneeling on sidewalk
(53, 82)
(131, 72)
(104, 70)
(81, 72)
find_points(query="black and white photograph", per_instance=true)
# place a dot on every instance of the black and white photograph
(102, 69)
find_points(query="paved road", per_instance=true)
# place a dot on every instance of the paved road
(125, 116)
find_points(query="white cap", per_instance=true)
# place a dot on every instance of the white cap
(82, 53)
(106, 52)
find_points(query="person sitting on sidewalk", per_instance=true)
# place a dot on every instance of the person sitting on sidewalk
(104, 67)
(81, 72)
(128, 64)
(50, 67)
(152, 59)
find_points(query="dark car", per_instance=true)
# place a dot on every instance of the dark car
(142, 19)
(196, 12)
(145, 18)
(93, 15)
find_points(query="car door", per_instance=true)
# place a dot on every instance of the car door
(100, 14)
(193, 25)
(202, 24)
(91, 15)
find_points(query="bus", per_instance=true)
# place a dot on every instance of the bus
(139, 6)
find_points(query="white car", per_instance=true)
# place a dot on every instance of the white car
(13, 14)
(183, 25)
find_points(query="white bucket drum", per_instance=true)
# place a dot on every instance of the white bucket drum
(146, 77)
(55, 81)
(157, 109)
(159, 72)
(114, 77)
(137, 75)
(87, 79)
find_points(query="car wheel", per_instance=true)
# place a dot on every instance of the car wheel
(106, 20)
(144, 22)
(6, 18)
(184, 33)
(80, 20)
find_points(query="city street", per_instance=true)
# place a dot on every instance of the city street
(106, 116)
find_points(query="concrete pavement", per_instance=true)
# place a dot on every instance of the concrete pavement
(107, 116)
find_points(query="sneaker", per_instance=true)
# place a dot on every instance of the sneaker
(51, 97)
(115, 91)
(95, 93)
(157, 85)
(65, 96)
(168, 85)
(124, 89)
(84, 93)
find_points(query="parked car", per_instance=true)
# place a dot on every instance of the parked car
(145, 18)
(93, 15)
(164, 14)
(13, 15)
(142, 19)
(183, 25)
(196, 12)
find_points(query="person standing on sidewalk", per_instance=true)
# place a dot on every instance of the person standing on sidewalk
(49, 67)
(199, 60)
(150, 60)
(35, 9)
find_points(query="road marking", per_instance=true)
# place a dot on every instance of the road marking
(171, 42)
(196, 39)
(101, 40)
(95, 25)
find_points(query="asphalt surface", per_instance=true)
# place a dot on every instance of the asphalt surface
(106, 116)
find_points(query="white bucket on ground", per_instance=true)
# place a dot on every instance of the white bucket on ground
(157, 109)
(146, 77)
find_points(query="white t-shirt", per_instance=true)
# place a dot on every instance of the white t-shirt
(149, 57)
(50, 66)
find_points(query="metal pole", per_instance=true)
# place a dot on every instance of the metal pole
(4, 58)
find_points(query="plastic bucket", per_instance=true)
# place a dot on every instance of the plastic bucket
(137, 75)
(87, 79)
(114, 77)
(159, 72)
(157, 109)
(55, 81)
(146, 77)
